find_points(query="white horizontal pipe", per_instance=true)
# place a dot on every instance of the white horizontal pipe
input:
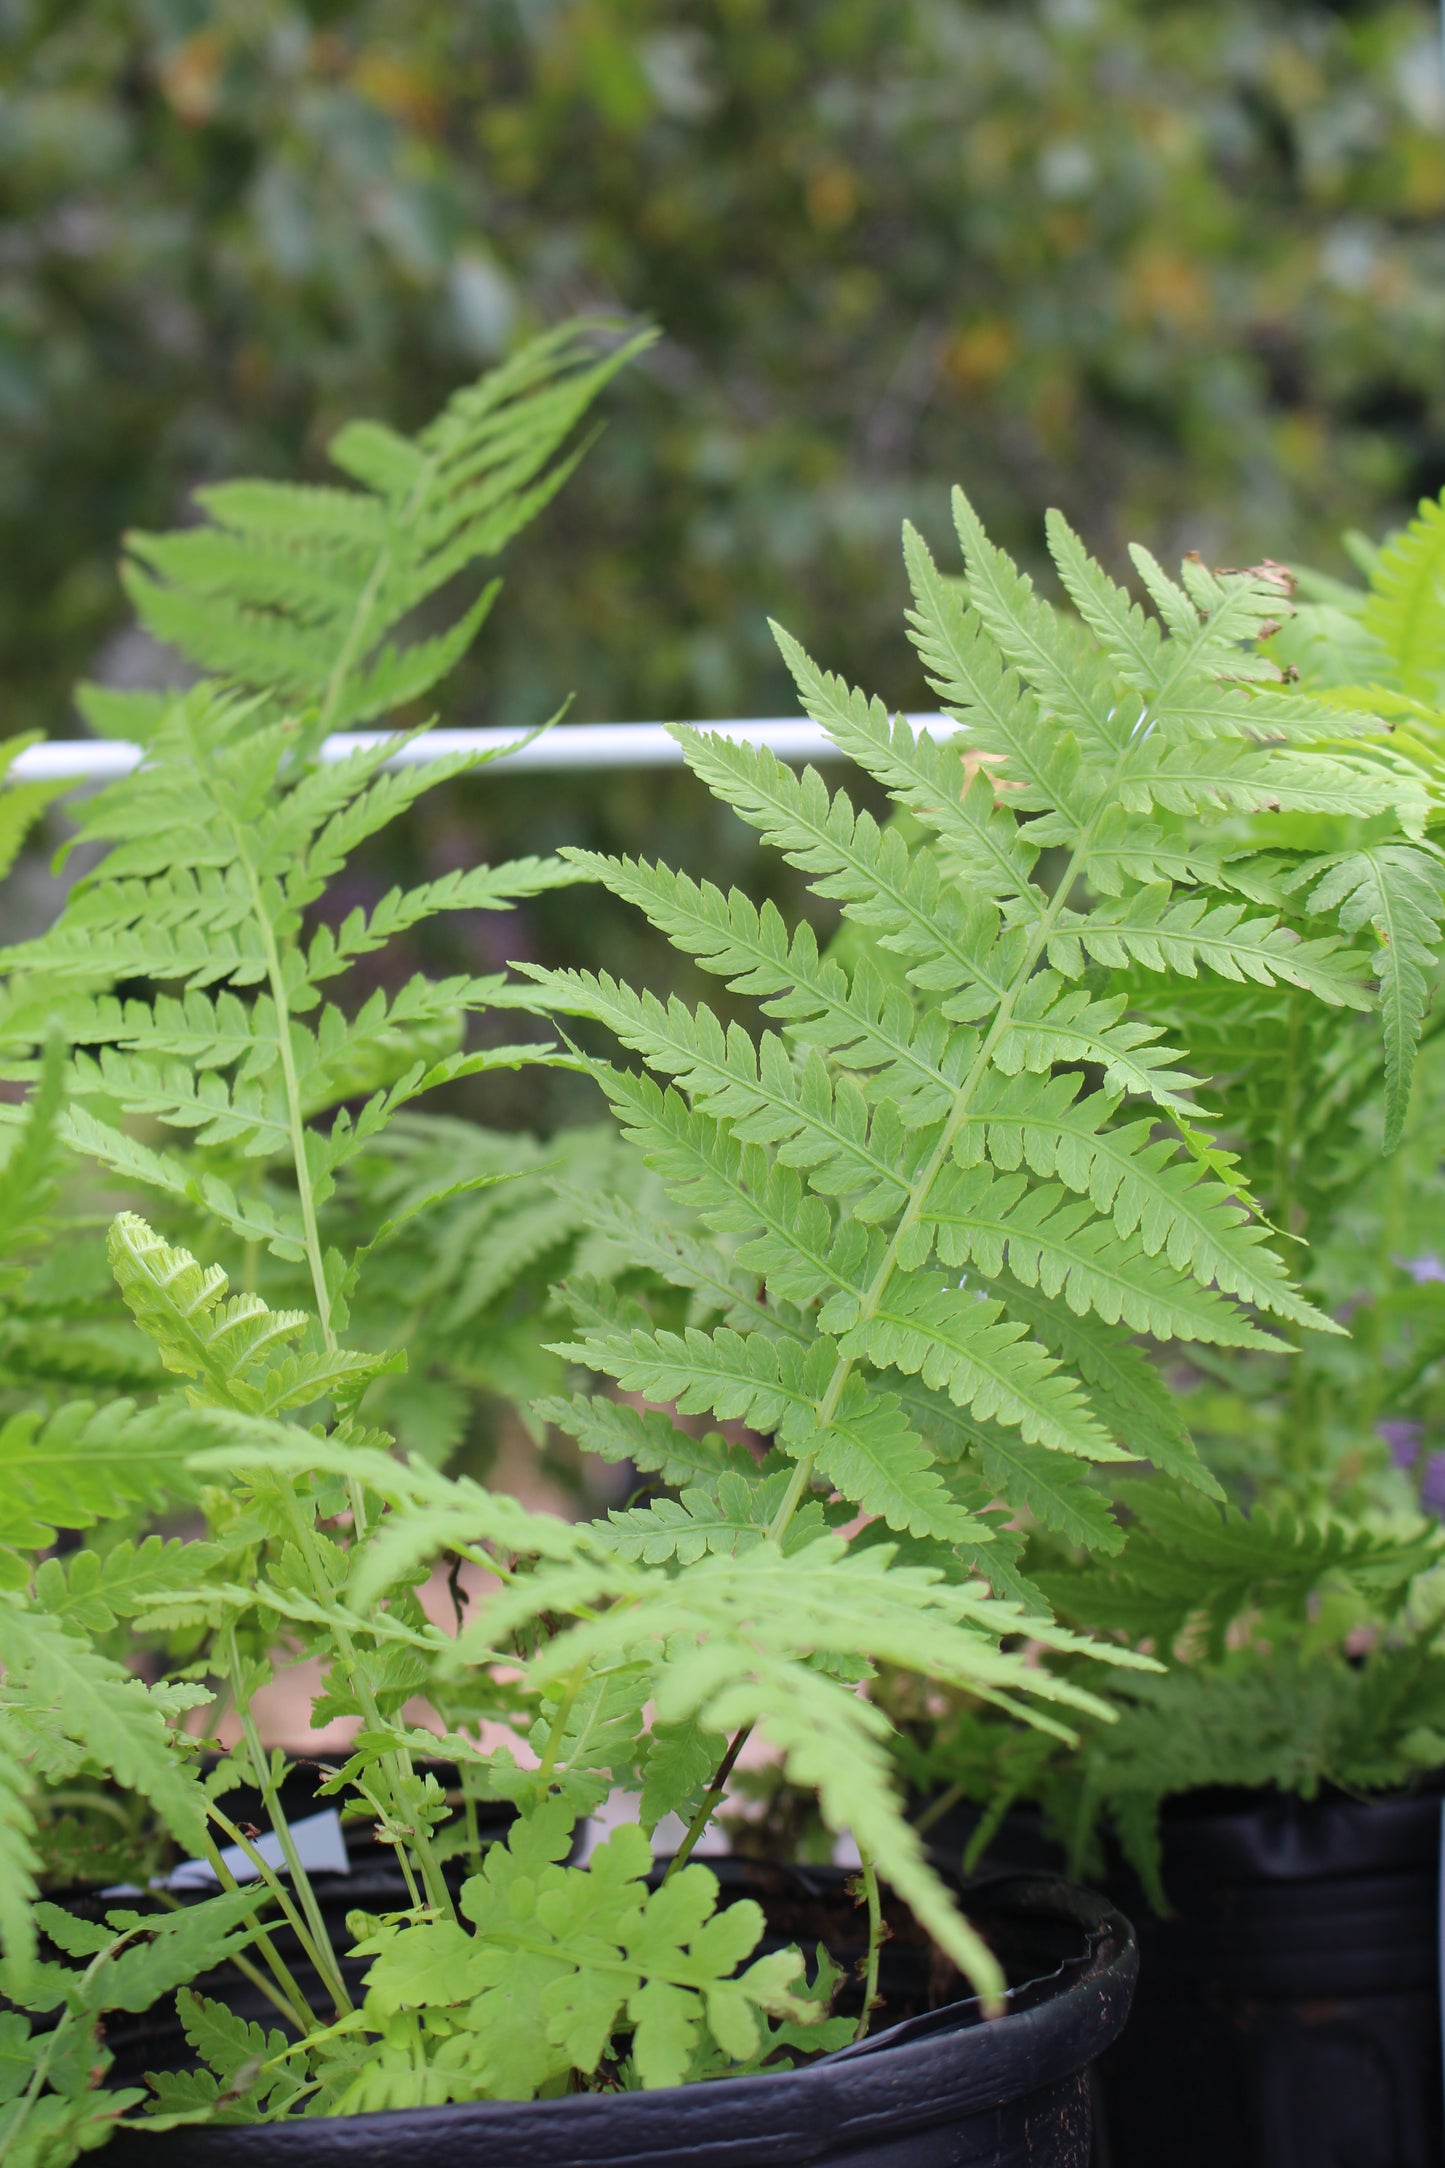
(575, 747)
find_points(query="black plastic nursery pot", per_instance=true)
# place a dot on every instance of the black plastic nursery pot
(1288, 2013)
(942, 2087)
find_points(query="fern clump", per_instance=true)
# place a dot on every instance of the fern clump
(917, 1235)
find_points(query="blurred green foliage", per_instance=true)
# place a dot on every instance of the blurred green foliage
(1177, 267)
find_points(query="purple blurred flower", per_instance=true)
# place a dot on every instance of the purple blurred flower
(1404, 1440)
(1423, 1270)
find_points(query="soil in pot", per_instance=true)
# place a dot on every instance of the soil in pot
(1288, 2014)
(938, 2087)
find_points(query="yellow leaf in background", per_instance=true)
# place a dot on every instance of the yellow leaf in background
(832, 196)
(190, 77)
(400, 88)
(977, 357)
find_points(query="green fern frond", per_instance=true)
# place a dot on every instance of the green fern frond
(1395, 890)
(647, 1438)
(922, 1097)
(88, 1463)
(57, 1685)
(1189, 1560)
(234, 1349)
(20, 1860)
(734, 1658)
(300, 592)
(1405, 611)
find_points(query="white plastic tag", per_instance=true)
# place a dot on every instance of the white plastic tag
(320, 1847)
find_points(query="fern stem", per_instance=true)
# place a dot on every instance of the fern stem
(285, 1997)
(397, 1765)
(875, 1945)
(318, 1953)
(279, 2003)
(555, 1736)
(300, 1879)
(400, 1849)
(712, 1800)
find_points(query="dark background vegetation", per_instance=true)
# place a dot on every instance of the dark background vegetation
(1177, 267)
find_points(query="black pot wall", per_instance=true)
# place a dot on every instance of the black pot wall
(943, 2089)
(1288, 2016)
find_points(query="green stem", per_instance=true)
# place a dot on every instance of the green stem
(300, 1879)
(397, 1765)
(555, 1736)
(937, 1808)
(875, 1945)
(318, 1954)
(400, 1849)
(297, 2013)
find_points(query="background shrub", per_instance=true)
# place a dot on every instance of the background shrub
(1175, 267)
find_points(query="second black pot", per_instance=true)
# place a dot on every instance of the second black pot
(1288, 2013)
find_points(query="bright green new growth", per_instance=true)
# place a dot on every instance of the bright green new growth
(301, 592)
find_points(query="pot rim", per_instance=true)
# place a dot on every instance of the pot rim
(945, 2066)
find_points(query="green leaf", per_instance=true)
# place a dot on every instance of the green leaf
(70, 1690)
(1395, 889)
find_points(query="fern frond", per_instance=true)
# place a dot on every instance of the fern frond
(1187, 1559)
(736, 1658)
(299, 592)
(1404, 608)
(958, 1339)
(20, 1860)
(1179, 1210)
(1055, 1243)
(89, 1463)
(925, 1098)
(1395, 889)
(1183, 934)
(730, 1516)
(58, 1685)
(235, 1349)
(647, 1438)
(816, 1123)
